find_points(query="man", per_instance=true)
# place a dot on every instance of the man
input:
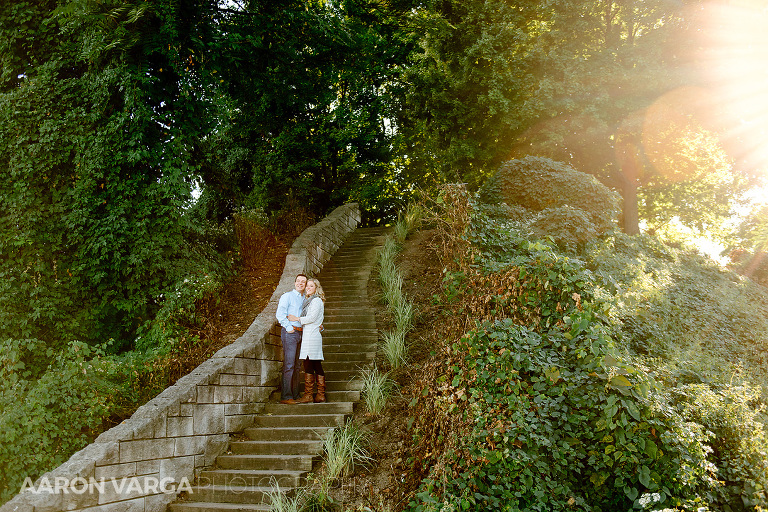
(290, 334)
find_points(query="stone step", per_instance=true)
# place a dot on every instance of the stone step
(233, 494)
(351, 324)
(351, 341)
(332, 367)
(285, 433)
(342, 396)
(301, 462)
(338, 353)
(343, 385)
(349, 315)
(349, 297)
(251, 477)
(339, 273)
(300, 447)
(351, 346)
(359, 257)
(346, 278)
(297, 420)
(341, 375)
(353, 249)
(353, 275)
(360, 340)
(342, 308)
(349, 333)
(349, 394)
(311, 408)
(356, 288)
(346, 297)
(201, 506)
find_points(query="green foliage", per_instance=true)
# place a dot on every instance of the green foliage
(569, 227)
(554, 422)
(677, 305)
(687, 175)
(540, 184)
(408, 221)
(618, 380)
(377, 389)
(45, 417)
(734, 415)
(344, 448)
(549, 200)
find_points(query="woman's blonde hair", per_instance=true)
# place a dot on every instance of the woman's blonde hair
(319, 289)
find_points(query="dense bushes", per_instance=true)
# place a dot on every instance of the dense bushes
(45, 418)
(614, 380)
(571, 206)
(551, 426)
(538, 183)
(57, 394)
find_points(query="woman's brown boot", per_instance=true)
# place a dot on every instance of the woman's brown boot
(320, 396)
(309, 387)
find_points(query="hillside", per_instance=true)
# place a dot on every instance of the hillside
(627, 376)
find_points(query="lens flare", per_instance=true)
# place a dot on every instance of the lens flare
(733, 58)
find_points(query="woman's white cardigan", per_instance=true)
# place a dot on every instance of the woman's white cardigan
(311, 339)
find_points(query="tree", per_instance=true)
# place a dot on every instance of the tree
(571, 81)
(95, 171)
(310, 86)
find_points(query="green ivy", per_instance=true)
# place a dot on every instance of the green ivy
(557, 423)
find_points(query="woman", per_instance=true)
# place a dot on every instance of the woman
(311, 353)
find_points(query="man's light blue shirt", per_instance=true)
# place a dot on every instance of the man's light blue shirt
(289, 304)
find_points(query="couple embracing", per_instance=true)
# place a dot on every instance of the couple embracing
(300, 313)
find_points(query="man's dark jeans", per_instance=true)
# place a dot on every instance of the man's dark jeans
(291, 344)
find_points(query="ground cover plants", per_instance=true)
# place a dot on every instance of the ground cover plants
(54, 400)
(564, 378)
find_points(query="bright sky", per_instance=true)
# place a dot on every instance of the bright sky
(732, 60)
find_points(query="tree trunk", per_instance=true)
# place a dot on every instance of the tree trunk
(631, 218)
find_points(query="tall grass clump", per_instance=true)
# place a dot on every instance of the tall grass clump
(408, 221)
(392, 288)
(280, 501)
(344, 448)
(391, 281)
(377, 388)
(388, 254)
(394, 349)
(403, 313)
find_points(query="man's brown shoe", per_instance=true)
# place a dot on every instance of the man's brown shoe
(289, 401)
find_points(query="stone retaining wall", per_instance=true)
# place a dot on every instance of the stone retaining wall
(139, 465)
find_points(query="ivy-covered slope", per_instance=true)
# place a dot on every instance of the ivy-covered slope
(623, 376)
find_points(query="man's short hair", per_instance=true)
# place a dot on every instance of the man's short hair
(300, 275)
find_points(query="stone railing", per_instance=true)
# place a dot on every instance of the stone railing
(141, 464)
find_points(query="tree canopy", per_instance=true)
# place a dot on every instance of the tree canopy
(116, 115)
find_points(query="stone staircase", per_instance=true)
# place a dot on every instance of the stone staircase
(285, 443)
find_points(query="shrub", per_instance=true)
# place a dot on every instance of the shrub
(253, 235)
(570, 228)
(733, 417)
(539, 184)
(551, 421)
(43, 421)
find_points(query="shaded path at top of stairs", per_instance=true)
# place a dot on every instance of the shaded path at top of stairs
(285, 443)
